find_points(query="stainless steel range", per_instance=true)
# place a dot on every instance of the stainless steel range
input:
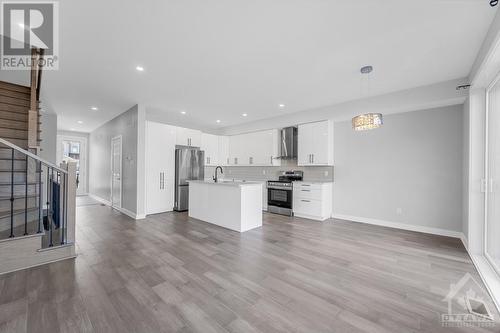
(280, 193)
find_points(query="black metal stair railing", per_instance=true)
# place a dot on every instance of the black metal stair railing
(37, 193)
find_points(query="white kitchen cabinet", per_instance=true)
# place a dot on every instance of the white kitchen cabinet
(188, 137)
(210, 145)
(312, 200)
(223, 150)
(160, 167)
(315, 144)
(254, 149)
(238, 150)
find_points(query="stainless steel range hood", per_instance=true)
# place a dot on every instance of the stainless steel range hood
(288, 143)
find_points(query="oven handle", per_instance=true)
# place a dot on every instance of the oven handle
(279, 188)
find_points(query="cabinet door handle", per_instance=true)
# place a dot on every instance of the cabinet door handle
(271, 160)
(306, 190)
(236, 160)
(227, 161)
(312, 158)
(305, 200)
(250, 160)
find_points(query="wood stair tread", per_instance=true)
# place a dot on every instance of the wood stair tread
(7, 197)
(6, 213)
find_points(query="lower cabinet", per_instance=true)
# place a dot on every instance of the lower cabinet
(312, 200)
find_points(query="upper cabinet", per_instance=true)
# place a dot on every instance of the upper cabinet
(223, 150)
(315, 143)
(188, 137)
(254, 149)
(210, 144)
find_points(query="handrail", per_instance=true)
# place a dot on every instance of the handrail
(33, 156)
(41, 52)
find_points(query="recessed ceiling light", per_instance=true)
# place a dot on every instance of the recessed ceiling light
(140, 68)
(217, 121)
(80, 122)
(94, 108)
(183, 112)
(244, 114)
(282, 106)
(72, 129)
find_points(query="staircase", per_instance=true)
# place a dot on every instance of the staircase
(37, 198)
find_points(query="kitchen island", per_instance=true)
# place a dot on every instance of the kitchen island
(233, 205)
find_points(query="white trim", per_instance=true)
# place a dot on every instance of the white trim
(465, 242)
(487, 177)
(403, 226)
(121, 171)
(489, 277)
(120, 209)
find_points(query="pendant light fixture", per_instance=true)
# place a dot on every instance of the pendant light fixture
(367, 121)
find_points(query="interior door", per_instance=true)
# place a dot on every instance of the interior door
(492, 228)
(116, 172)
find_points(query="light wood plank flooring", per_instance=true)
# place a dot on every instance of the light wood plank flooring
(170, 273)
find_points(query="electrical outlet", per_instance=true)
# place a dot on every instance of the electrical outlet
(399, 211)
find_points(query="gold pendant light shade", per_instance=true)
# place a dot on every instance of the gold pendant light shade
(367, 121)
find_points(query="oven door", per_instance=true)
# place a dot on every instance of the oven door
(279, 198)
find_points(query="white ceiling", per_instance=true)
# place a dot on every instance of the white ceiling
(221, 58)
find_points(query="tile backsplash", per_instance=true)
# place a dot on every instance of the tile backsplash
(313, 174)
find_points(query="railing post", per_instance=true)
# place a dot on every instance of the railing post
(70, 202)
(33, 111)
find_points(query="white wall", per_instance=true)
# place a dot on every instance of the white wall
(100, 158)
(413, 162)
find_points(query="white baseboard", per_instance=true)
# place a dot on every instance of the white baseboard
(403, 226)
(120, 209)
(489, 277)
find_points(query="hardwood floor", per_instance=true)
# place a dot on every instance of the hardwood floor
(169, 273)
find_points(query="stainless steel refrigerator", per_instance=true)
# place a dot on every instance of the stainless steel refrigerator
(189, 165)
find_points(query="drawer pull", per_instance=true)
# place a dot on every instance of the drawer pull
(305, 185)
(306, 190)
(305, 200)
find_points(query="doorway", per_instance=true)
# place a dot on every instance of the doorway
(74, 147)
(116, 172)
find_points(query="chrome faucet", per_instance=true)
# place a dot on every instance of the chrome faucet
(215, 176)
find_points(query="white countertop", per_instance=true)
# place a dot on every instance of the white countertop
(225, 183)
(319, 183)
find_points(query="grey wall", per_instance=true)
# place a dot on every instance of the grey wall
(100, 158)
(49, 137)
(413, 162)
